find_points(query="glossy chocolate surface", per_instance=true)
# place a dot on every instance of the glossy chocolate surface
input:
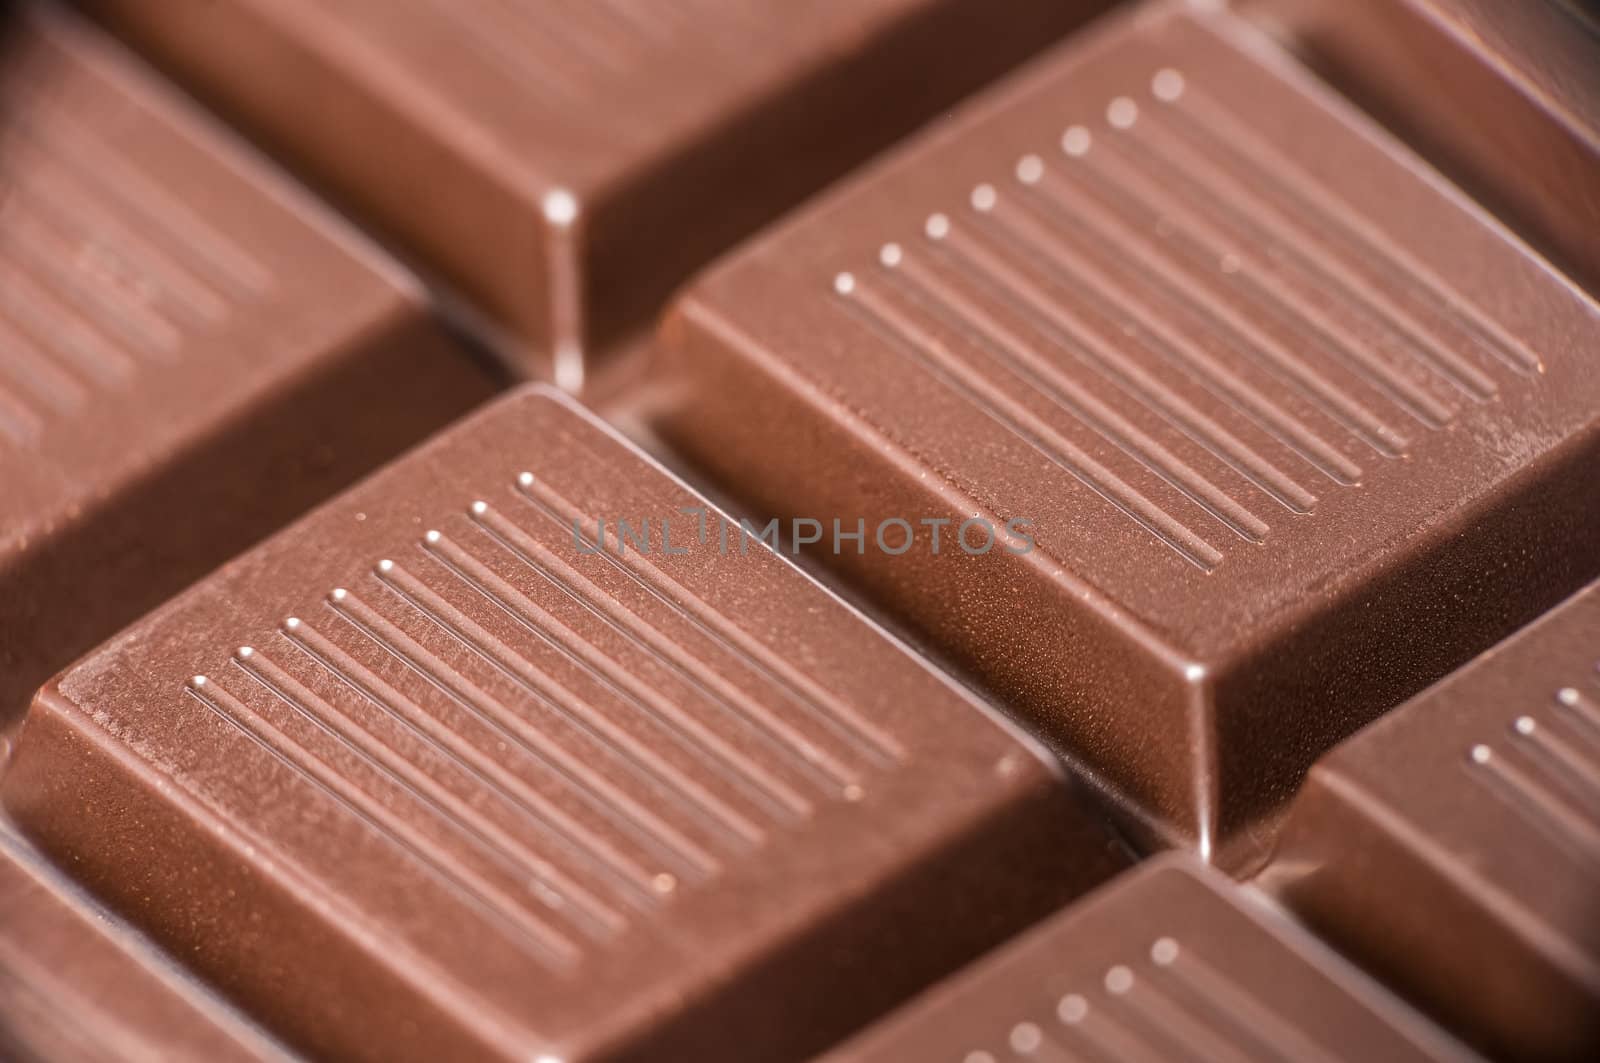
(1466, 823)
(75, 985)
(566, 164)
(1297, 427)
(1170, 961)
(518, 750)
(1506, 94)
(192, 350)
(420, 778)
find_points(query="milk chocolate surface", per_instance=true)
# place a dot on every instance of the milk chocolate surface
(1466, 823)
(1165, 397)
(1506, 94)
(1170, 961)
(1293, 425)
(425, 777)
(567, 163)
(192, 351)
(76, 985)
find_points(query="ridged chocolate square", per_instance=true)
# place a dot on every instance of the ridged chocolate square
(566, 164)
(192, 350)
(1169, 961)
(430, 775)
(1466, 823)
(1297, 427)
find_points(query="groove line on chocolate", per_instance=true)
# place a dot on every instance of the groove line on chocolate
(1176, 1003)
(1111, 1029)
(58, 134)
(1313, 200)
(73, 342)
(1572, 765)
(1108, 1038)
(778, 799)
(803, 753)
(34, 369)
(631, 880)
(63, 195)
(665, 720)
(501, 37)
(1583, 708)
(1061, 196)
(1025, 362)
(685, 856)
(1002, 274)
(931, 355)
(1531, 797)
(1046, 224)
(565, 897)
(1162, 1019)
(18, 422)
(1198, 242)
(818, 703)
(1089, 265)
(1250, 200)
(98, 278)
(1231, 1008)
(83, 280)
(562, 893)
(530, 934)
(598, 37)
(21, 418)
(1186, 1026)
(1109, 188)
(1547, 769)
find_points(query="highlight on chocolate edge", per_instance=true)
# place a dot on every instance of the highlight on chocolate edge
(870, 531)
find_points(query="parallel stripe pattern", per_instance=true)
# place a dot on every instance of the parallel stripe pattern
(1170, 1004)
(103, 270)
(1545, 766)
(565, 742)
(1177, 315)
(558, 53)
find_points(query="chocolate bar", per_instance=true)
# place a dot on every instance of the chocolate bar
(1164, 416)
(1220, 422)
(1507, 95)
(1169, 961)
(77, 986)
(1466, 823)
(566, 164)
(170, 388)
(448, 769)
